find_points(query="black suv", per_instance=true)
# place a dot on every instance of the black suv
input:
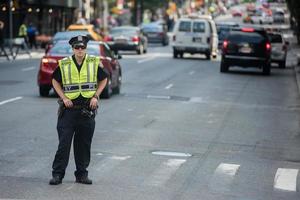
(246, 47)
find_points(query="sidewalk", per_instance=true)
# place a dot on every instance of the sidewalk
(34, 54)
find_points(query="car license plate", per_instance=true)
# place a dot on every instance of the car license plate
(197, 39)
(151, 35)
(245, 50)
(120, 41)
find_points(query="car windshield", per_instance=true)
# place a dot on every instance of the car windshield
(275, 38)
(117, 31)
(185, 26)
(152, 29)
(65, 49)
(251, 37)
(68, 35)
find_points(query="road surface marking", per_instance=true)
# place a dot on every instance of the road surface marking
(28, 69)
(286, 179)
(10, 100)
(165, 171)
(191, 72)
(169, 86)
(171, 153)
(157, 97)
(223, 177)
(146, 59)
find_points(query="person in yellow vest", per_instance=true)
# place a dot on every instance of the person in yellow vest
(23, 32)
(79, 81)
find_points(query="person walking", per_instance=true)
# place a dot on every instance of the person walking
(23, 32)
(31, 33)
(79, 81)
(2, 49)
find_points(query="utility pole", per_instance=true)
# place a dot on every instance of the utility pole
(10, 24)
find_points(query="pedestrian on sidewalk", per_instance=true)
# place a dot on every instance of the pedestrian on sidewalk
(79, 81)
(2, 48)
(31, 33)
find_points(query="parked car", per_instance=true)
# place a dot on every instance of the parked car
(195, 34)
(86, 27)
(65, 35)
(61, 49)
(156, 32)
(246, 47)
(128, 38)
(223, 29)
(279, 49)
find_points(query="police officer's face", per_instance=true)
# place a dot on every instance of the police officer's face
(79, 50)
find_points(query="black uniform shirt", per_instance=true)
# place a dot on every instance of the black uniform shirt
(101, 75)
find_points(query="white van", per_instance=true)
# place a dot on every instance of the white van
(195, 34)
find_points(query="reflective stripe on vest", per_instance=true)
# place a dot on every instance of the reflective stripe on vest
(83, 82)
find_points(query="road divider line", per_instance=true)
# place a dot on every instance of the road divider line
(286, 179)
(28, 69)
(146, 59)
(10, 100)
(165, 171)
(169, 86)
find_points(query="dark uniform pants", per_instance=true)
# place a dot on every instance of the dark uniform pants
(73, 123)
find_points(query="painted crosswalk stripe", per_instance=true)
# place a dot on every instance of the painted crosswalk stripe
(169, 86)
(165, 171)
(286, 179)
(104, 166)
(224, 176)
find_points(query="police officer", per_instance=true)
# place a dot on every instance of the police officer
(78, 80)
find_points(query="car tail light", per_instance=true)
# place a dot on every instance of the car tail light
(108, 38)
(135, 39)
(174, 38)
(268, 46)
(49, 60)
(225, 44)
(248, 29)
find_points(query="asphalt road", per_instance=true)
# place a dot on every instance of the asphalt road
(238, 134)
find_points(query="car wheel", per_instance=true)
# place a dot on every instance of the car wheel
(140, 50)
(224, 67)
(181, 54)
(267, 69)
(282, 64)
(107, 92)
(117, 89)
(175, 54)
(207, 55)
(44, 90)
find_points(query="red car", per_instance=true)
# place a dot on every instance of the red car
(62, 49)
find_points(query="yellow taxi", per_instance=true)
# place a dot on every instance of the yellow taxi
(86, 27)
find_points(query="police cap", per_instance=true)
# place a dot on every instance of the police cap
(79, 40)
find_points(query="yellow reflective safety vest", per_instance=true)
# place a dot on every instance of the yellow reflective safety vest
(23, 30)
(82, 82)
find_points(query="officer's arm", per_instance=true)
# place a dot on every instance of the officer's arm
(56, 85)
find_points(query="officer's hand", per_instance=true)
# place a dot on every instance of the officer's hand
(68, 103)
(94, 103)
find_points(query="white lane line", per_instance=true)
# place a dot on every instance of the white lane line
(286, 179)
(165, 171)
(10, 100)
(28, 69)
(223, 177)
(146, 59)
(169, 86)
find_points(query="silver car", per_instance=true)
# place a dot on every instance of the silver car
(279, 49)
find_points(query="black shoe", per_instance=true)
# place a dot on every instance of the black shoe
(55, 180)
(84, 180)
